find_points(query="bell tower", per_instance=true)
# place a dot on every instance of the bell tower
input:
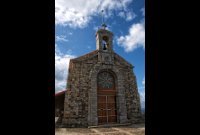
(104, 40)
(104, 45)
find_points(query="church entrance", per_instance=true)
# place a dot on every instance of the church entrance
(106, 98)
(106, 109)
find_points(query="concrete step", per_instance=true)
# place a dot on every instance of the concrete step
(110, 125)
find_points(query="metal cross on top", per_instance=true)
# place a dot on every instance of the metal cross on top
(103, 23)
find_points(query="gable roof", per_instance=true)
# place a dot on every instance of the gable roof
(117, 56)
(86, 56)
(95, 53)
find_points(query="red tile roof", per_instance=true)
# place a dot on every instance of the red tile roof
(60, 93)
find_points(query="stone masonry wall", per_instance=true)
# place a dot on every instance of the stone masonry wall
(132, 97)
(131, 91)
(76, 104)
(76, 98)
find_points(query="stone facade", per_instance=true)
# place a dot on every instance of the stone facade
(80, 105)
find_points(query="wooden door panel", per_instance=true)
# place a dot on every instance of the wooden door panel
(107, 109)
(112, 119)
(101, 99)
(112, 113)
(111, 99)
(111, 106)
(102, 120)
(101, 105)
(102, 113)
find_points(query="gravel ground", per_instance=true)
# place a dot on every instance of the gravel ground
(138, 129)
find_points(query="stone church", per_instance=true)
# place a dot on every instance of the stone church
(101, 87)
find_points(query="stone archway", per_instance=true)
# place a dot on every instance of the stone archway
(106, 98)
(92, 94)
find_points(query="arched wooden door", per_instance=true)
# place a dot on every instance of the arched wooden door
(106, 93)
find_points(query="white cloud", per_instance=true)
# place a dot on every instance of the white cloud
(142, 98)
(143, 11)
(142, 93)
(61, 69)
(61, 38)
(70, 33)
(69, 52)
(89, 47)
(141, 88)
(95, 28)
(128, 16)
(143, 81)
(135, 38)
(78, 13)
(122, 14)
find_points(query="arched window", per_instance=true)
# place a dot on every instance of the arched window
(105, 80)
(105, 43)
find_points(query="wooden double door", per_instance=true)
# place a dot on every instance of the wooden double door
(107, 112)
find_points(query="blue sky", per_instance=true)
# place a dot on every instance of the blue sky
(76, 23)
